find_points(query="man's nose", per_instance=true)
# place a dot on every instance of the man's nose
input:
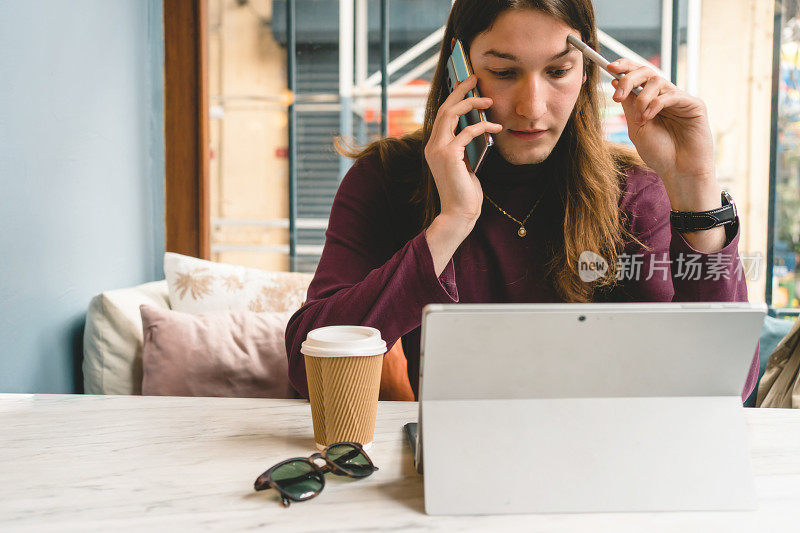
(531, 103)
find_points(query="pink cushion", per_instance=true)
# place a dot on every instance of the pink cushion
(234, 354)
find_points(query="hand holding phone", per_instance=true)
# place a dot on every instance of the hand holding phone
(450, 145)
(459, 69)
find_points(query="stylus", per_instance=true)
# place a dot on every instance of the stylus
(597, 58)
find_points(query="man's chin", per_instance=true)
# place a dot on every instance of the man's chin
(524, 157)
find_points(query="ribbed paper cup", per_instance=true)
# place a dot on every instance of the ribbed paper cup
(343, 368)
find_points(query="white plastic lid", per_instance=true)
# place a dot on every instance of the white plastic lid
(343, 341)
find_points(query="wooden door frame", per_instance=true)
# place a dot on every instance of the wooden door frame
(187, 216)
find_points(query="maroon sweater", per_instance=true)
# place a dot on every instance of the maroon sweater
(376, 268)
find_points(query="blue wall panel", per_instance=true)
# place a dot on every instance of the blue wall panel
(81, 167)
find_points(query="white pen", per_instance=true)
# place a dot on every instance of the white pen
(597, 58)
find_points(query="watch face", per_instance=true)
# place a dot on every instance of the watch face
(727, 199)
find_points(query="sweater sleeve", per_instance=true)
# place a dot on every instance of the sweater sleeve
(362, 279)
(670, 269)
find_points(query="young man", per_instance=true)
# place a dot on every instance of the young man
(411, 225)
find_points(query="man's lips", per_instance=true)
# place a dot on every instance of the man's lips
(527, 134)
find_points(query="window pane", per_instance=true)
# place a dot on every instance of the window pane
(250, 98)
(248, 136)
(785, 281)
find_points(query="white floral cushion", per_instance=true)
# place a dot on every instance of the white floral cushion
(197, 286)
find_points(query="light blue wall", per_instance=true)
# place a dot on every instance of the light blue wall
(81, 168)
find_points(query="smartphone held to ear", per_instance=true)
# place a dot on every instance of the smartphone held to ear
(459, 69)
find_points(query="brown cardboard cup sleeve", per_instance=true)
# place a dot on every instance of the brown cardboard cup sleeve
(343, 367)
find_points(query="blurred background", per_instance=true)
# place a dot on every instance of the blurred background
(271, 141)
(205, 127)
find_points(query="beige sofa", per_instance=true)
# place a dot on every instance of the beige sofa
(113, 336)
(112, 339)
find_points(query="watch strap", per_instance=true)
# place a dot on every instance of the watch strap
(688, 221)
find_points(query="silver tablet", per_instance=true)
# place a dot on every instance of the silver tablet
(585, 407)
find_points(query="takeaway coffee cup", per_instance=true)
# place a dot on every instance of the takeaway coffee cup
(343, 367)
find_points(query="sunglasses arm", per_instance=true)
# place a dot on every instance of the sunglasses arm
(284, 500)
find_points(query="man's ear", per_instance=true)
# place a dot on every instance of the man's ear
(584, 77)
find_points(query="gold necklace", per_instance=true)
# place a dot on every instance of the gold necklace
(521, 231)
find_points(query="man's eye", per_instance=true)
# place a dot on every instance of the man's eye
(560, 73)
(502, 73)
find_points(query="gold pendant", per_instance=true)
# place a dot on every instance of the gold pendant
(522, 231)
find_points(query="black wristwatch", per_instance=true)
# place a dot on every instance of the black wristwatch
(687, 221)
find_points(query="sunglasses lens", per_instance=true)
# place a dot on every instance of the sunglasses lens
(350, 459)
(298, 479)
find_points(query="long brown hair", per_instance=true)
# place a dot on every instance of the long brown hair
(591, 168)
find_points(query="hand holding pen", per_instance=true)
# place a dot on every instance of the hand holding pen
(668, 127)
(601, 61)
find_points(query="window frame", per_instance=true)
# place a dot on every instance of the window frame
(186, 184)
(773, 165)
(186, 102)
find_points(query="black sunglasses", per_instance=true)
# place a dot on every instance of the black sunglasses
(300, 479)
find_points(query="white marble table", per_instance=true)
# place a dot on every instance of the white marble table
(127, 463)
